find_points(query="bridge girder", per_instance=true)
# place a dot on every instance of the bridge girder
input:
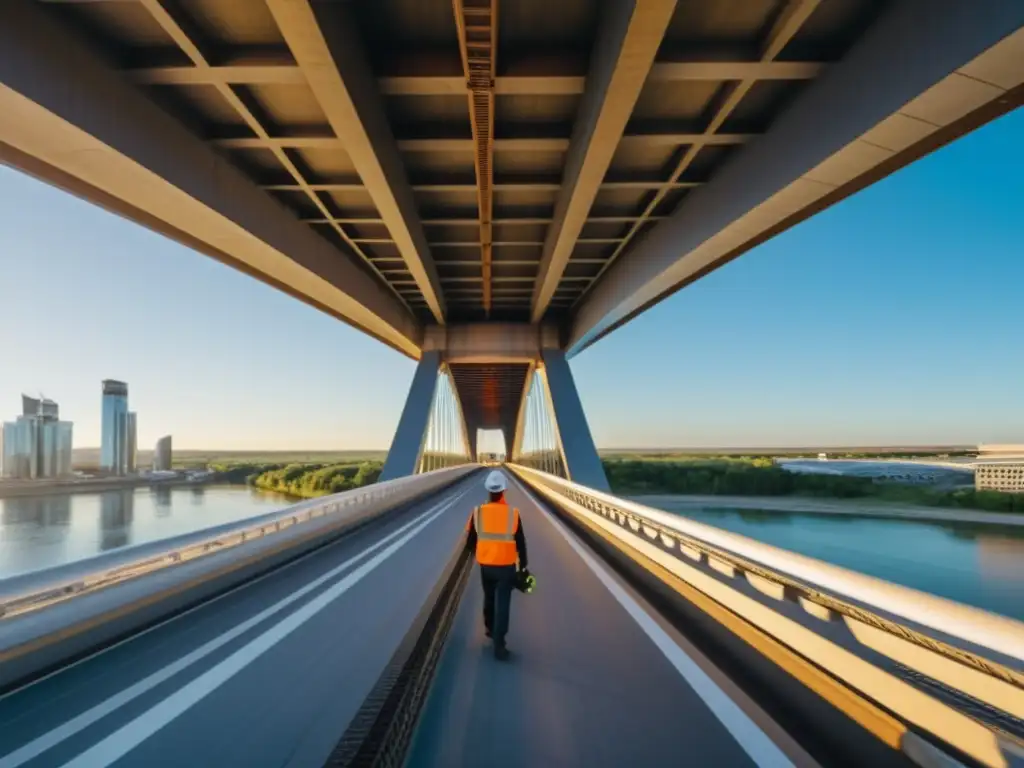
(923, 74)
(69, 118)
(614, 152)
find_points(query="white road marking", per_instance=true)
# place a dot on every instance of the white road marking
(759, 747)
(181, 616)
(79, 723)
(129, 736)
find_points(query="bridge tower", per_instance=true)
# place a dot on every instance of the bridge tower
(512, 377)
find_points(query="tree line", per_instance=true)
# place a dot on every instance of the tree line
(726, 476)
(305, 480)
(761, 477)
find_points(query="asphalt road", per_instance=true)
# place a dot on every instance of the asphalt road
(272, 673)
(267, 675)
(594, 680)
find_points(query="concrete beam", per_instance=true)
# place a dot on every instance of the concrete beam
(582, 463)
(321, 137)
(67, 118)
(925, 73)
(327, 48)
(548, 80)
(490, 342)
(468, 440)
(520, 430)
(628, 41)
(407, 444)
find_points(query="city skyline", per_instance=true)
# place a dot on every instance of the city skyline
(119, 436)
(37, 444)
(883, 320)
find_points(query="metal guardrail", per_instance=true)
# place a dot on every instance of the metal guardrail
(53, 591)
(681, 546)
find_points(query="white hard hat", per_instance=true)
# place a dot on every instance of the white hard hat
(495, 482)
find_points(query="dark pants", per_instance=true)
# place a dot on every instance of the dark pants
(498, 581)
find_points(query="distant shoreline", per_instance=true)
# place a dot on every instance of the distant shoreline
(803, 505)
(29, 489)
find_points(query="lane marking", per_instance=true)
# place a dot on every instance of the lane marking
(205, 604)
(79, 723)
(130, 735)
(764, 752)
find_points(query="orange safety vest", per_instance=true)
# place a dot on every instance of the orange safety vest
(496, 525)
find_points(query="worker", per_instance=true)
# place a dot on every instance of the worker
(495, 534)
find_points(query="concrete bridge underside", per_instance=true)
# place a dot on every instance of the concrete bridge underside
(490, 186)
(567, 164)
(492, 368)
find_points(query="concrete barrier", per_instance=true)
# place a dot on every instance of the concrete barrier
(54, 616)
(698, 555)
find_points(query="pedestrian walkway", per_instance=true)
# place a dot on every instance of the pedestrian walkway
(586, 684)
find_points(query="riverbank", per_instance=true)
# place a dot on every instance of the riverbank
(310, 481)
(30, 488)
(760, 477)
(817, 506)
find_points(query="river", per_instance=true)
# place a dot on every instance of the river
(41, 531)
(980, 565)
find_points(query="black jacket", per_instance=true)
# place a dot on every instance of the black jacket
(520, 540)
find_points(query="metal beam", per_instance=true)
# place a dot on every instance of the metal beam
(230, 74)
(321, 138)
(517, 440)
(58, 123)
(407, 444)
(582, 463)
(195, 45)
(926, 72)
(630, 34)
(788, 23)
(327, 48)
(425, 83)
(477, 25)
(511, 186)
(468, 443)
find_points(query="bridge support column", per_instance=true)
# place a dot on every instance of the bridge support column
(582, 463)
(407, 444)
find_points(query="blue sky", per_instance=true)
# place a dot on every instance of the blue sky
(894, 317)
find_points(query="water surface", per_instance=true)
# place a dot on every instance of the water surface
(42, 531)
(980, 565)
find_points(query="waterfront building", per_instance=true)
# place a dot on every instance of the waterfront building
(114, 428)
(1004, 476)
(37, 444)
(162, 455)
(1001, 451)
(132, 444)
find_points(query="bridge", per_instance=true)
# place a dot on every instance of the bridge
(489, 188)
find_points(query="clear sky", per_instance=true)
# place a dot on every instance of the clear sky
(895, 317)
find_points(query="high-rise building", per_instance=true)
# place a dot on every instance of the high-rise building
(132, 442)
(37, 444)
(162, 454)
(114, 428)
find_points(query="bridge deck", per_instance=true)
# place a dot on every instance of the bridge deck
(279, 692)
(587, 683)
(272, 673)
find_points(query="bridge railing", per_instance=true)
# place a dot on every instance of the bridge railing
(91, 601)
(23, 593)
(935, 664)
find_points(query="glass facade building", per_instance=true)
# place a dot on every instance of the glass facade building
(162, 456)
(114, 428)
(133, 443)
(37, 444)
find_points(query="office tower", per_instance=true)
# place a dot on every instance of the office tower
(114, 437)
(37, 444)
(162, 454)
(132, 443)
